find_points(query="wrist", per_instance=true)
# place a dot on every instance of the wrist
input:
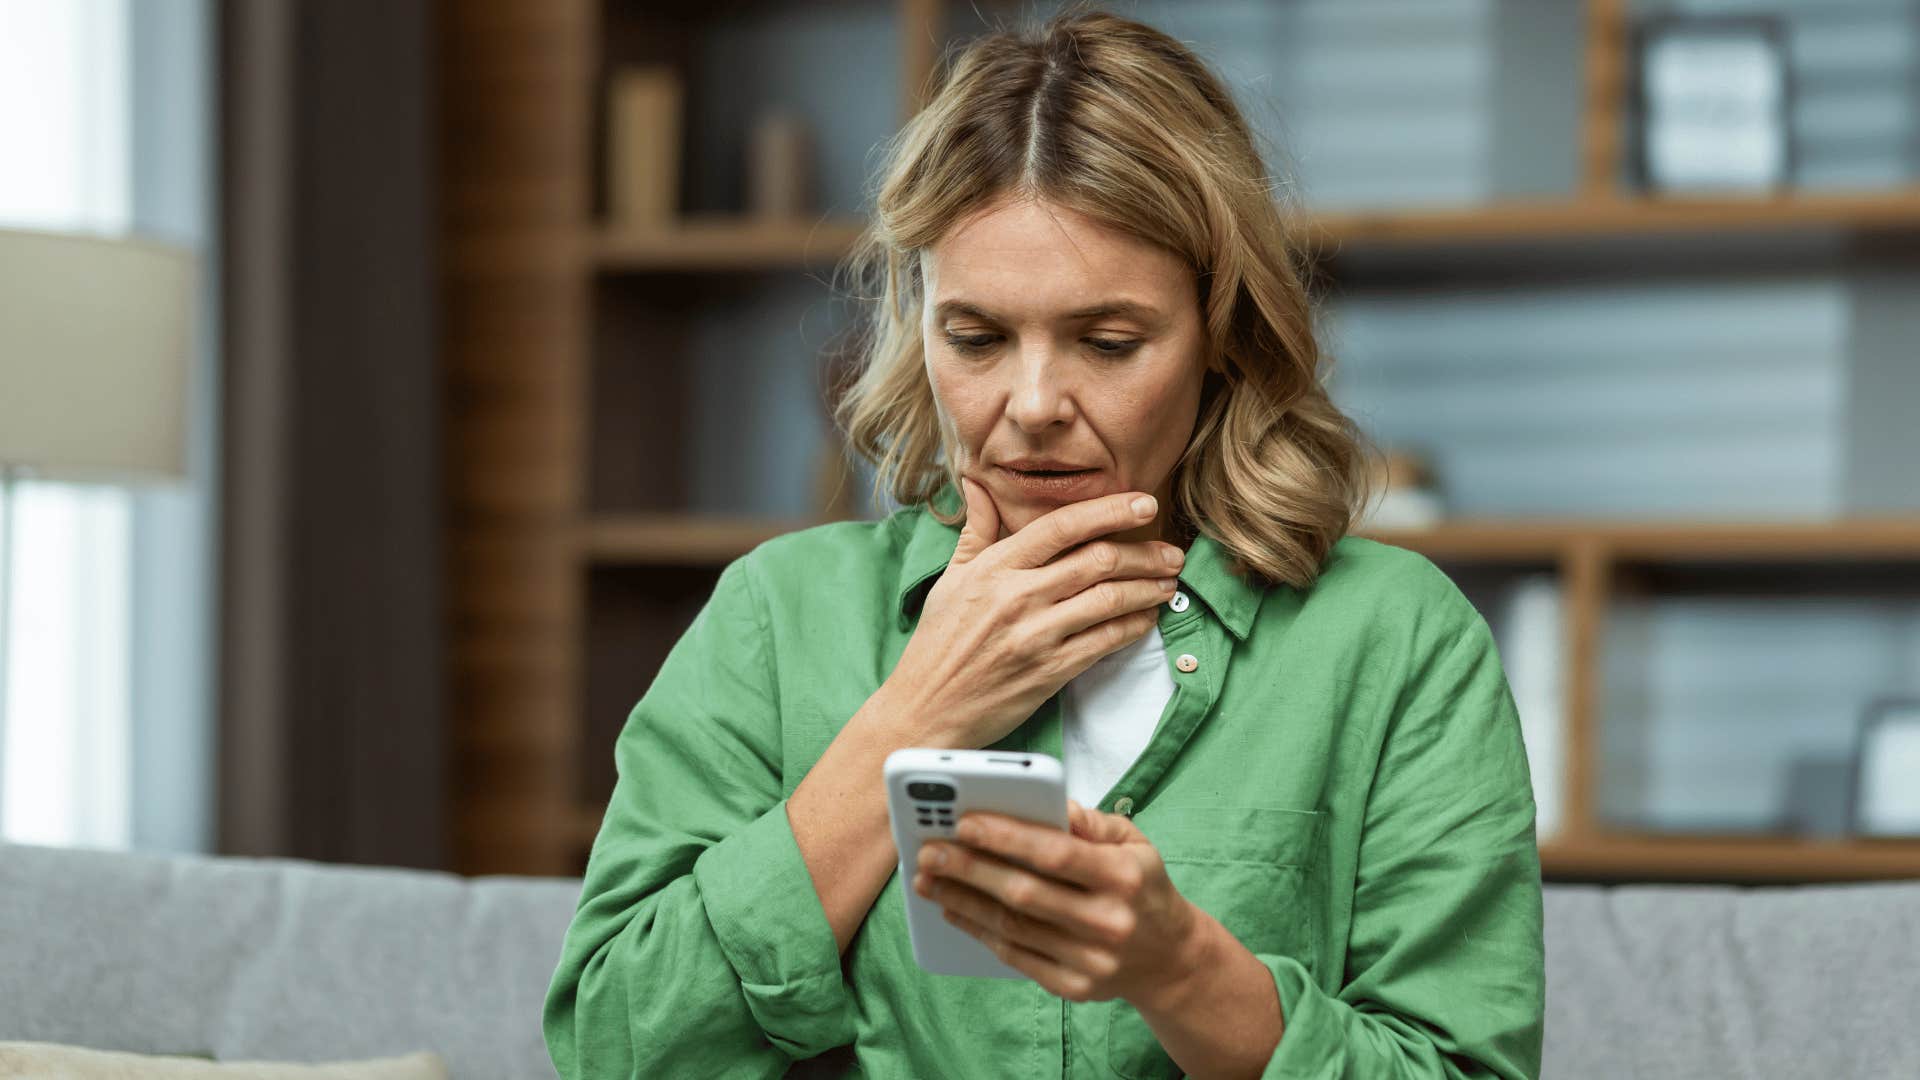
(1199, 951)
(905, 719)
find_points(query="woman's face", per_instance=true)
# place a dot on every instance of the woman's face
(1054, 400)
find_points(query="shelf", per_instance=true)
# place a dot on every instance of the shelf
(1895, 210)
(1715, 858)
(677, 539)
(704, 540)
(725, 243)
(721, 242)
(1491, 539)
(1485, 540)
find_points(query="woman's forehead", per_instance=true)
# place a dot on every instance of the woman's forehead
(1029, 262)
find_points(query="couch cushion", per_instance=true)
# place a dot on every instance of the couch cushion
(277, 959)
(1697, 980)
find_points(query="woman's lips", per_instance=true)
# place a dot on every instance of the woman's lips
(1051, 485)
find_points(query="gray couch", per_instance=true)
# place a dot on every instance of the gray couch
(299, 961)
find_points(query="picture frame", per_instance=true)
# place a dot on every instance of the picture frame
(1884, 796)
(1712, 96)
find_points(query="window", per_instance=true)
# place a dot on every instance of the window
(94, 567)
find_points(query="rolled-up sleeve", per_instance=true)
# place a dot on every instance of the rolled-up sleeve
(1445, 973)
(699, 945)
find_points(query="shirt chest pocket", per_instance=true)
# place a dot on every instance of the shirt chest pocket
(1255, 869)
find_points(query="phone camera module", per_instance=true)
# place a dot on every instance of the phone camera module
(930, 791)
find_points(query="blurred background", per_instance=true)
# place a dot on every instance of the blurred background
(466, 342)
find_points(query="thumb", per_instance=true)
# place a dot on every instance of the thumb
(982, 527)
(1099, 826)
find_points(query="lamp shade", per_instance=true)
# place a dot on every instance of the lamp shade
(94, 345)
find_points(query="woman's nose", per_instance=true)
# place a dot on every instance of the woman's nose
(1039, 397)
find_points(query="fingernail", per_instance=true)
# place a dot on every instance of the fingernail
(1144, 505)
(1167, 584)
(935, 856)
(1172, 556)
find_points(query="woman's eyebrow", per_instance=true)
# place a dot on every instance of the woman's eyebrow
(1125, 308)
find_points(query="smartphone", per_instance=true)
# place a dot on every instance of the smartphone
(928, 789)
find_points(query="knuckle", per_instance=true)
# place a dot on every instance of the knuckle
(1123, 924)
(1128, 879)
(1057, 532)
(1106, 557)
(1052, 858)
(1076, 987)
(1035, 643)
(1026, 591)
(1019, 893)
(1103, 964)
(1116, 633)
(1055, 665)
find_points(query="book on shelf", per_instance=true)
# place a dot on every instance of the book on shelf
(1528, 636)
(643, 145)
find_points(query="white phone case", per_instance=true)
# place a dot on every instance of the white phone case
(927, 792)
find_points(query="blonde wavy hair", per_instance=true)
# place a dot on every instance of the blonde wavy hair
(1122, 123)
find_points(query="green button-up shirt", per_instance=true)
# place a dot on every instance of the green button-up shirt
(1340, 781)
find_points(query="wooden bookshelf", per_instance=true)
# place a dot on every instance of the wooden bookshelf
(544, 578)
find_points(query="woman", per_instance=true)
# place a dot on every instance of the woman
(1307, 847)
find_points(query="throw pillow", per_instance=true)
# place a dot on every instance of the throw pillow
(51, 1061)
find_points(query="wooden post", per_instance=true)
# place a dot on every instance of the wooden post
(1584, 569)
(1604, 101)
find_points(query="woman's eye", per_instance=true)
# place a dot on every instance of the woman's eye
(1112, 346)
(977, 343)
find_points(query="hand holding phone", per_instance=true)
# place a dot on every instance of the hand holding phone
(928, 789)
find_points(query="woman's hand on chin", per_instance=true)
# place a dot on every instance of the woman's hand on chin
(1012, 619)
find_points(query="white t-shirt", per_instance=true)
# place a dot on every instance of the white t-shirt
(1108, 715)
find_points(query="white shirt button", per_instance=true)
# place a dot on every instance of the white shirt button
(1123, 806)
(1179, 602)
(1187, 662)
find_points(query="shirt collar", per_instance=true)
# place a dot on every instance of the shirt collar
(1208, 572)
